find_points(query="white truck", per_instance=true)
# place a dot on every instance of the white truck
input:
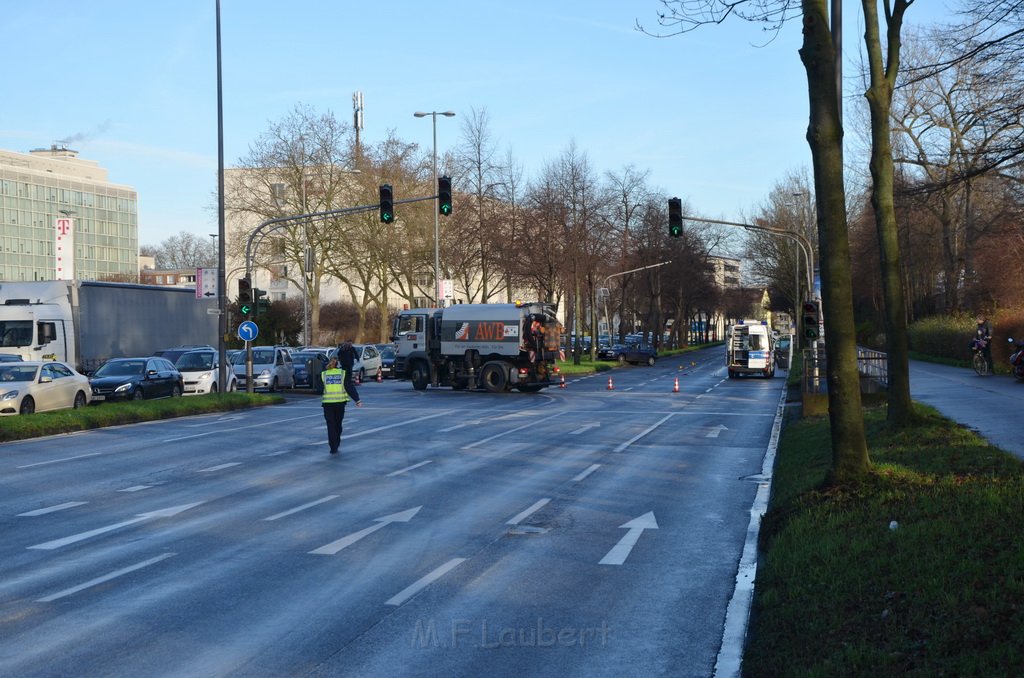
(85, 323)
(749, 349)
(496, 347)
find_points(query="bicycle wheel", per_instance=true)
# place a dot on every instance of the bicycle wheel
(980, 364)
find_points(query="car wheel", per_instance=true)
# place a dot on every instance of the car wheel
(213, 388)
(28, 406)
(650, 361)
(79, 400)
(176, 391)
(362, 375)
(273, 385)
(137, 394)
(622, 359)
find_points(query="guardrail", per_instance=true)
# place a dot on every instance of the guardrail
(873, 367)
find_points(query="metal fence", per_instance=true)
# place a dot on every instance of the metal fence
(873, 367)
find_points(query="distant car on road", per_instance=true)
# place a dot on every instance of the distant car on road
(301, 362)
(629, 353)
(200, 372)
(136, 379)
(387, 360)
(34, 386)
(367, 363)
(172, 354)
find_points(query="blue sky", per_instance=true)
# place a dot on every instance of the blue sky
(716, 118)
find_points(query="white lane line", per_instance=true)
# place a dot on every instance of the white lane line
(409, 468)
(57, 461)
(51, 509)
(277, 454)
(75, 538)
(640, 435)
(105, 578)
(586, 473)
(451, 428)
(515, 520)
(136, 488)
(303, 507)
(221, 467)
(514, 430)
(424, 582)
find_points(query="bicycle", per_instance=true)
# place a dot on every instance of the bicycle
(979, 361)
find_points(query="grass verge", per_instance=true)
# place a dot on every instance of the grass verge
(941, 592)
(113, 414)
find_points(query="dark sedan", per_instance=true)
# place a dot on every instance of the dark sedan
(629, 353)
(136, 379)
(387, 360)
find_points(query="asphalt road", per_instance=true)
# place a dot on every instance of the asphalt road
(990, 405)
(578, 531)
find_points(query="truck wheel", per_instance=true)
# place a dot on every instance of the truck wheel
(493, 378)
(420, 377)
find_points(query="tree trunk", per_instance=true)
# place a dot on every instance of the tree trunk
(879, 96)
(824, 136)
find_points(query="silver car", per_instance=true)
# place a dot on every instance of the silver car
(33, 386)
(271, 368)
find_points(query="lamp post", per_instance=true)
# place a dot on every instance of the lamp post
(437, 237)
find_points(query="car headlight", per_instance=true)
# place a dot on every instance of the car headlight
(9, 395)
(264, 374)
(206, 376)
(123, 387)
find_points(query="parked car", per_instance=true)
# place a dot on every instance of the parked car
(172, 354)
(272, 368)
(368, 361)
(629, 353)
(782, 349)
(200, 372)
(301, 362)
(387, 360)
(136, 379)
(34, 386)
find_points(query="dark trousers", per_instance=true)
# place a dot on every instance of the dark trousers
(334, 413)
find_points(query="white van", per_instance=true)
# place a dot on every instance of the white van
(749, 349)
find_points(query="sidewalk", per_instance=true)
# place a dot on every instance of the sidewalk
(992, 406)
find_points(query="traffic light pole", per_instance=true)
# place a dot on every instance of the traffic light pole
(279, 222)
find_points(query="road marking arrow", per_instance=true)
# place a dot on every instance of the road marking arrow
(621, 551)
(162, 513)
(713, 433)
(335, 546)
(585, 428)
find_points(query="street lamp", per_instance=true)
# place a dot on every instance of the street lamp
(437, 238)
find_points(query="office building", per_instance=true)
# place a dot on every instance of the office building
(60, 218)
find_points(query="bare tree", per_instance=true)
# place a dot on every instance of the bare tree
(824, 135)
(185, 250)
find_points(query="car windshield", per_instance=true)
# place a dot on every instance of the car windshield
(17, 372)
(120, 368)
(387, 353)
(196, 360)
(259, 357)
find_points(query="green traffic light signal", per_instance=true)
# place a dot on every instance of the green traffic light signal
(387, 204)
(444, 196)
(245, 296)
(675, 217)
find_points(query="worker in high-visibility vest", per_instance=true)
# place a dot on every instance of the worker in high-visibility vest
(338, 390)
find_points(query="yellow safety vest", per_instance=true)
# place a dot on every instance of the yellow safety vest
(334, 386)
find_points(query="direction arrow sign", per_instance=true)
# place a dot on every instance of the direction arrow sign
(344, 542)
(248, 331)
(621, 551)
(162, 513)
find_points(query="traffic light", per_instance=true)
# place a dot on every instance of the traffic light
(260, 301)
(387, 204)
(444, 196)
(675, 217)
(811, 319)
(245, 296)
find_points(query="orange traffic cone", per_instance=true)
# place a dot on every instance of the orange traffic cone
(380, 375)
(675, 387)
(562, 385)
(611, 387)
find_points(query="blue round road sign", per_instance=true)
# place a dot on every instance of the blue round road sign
(248, 331)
